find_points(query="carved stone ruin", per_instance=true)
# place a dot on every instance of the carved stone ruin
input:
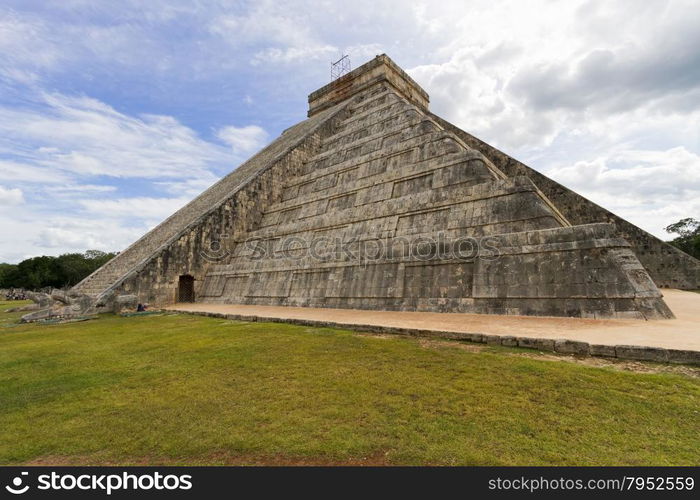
(374, 202)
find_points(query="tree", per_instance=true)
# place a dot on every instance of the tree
(63, 271)
(72, 267)
(99, 258)
(8, 273)
(688, 239)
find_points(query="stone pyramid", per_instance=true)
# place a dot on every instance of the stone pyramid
(373, 202)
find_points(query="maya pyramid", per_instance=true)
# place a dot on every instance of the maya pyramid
(373, 202)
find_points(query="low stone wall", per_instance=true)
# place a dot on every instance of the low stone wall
(561, 346)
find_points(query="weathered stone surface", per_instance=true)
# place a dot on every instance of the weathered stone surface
(684, 356)
(60, 296)
(641, 353)
(373, 203)
(491, 339)
(81, 302)
(43, 299)
(607, 351)
(58, 304)
(185, 242)
(36, 315)
(536, 343)
(125, 303)
(509, 341)
(565, 346)
(474, 337)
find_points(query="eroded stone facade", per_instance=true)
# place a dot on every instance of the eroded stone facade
(375, 203)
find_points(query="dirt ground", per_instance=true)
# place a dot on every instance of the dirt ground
(680, 333)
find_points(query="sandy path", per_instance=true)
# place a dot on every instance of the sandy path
(680, 333)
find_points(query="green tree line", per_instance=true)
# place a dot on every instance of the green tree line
(688, 239)
(63, 271)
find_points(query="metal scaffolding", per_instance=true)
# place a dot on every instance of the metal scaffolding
(340, 67)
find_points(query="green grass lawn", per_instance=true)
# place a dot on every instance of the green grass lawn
(178, 389)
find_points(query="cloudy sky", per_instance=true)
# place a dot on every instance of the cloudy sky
(114, 114)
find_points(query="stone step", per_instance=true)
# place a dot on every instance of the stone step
(361, 119)
(398, 118)
(341, 160)
(388, 204)
(100, 282)
(370, 174)
(379, 140)
(104, 276)
(379, 97)
(97, 284)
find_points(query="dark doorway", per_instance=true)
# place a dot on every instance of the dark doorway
(185, 289)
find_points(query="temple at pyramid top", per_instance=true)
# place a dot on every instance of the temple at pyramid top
(375, 202)
(380, 69)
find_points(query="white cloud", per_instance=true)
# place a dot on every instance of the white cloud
(266, 22)
(70, 234)
(37, 233)
(136, 207)
(645, 172)
(83, 136)
(10, 197)
(649, 188)
(287, 55)
(243, 139)
(21, 172)
(23, 50)
(74, 190)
